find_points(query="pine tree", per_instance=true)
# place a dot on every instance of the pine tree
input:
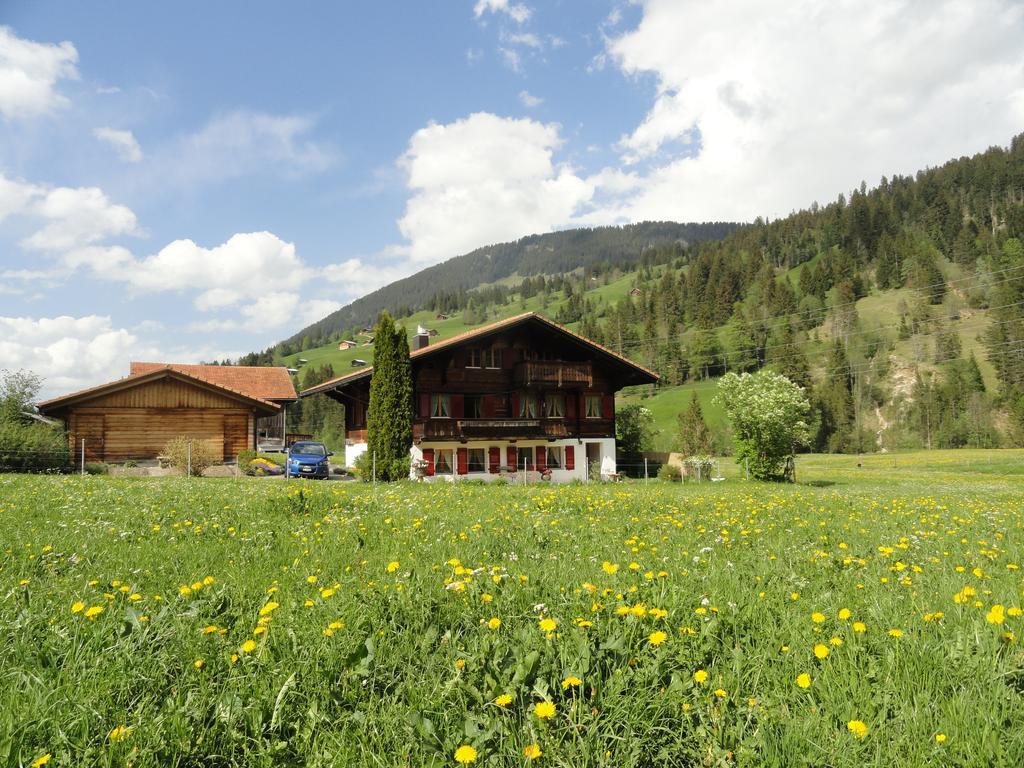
(694, 436)
(389, 419)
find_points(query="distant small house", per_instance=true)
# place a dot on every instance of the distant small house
(442, 317)
(357, 363)
(347, 344)
(368, 342)
(302, 361)
(635, 292)
(367, 331)
(424, 331)
(432, 332)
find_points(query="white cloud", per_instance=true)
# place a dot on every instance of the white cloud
(518, 12)
(529, 39)
(511, 58)
(77, 217)
(529, 101)
(29, 71)
(244, 143)
(809, 99)
(123, 142)
(69, 352)
(357, 277)
(484, 179)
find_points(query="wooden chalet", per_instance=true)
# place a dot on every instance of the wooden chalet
(231, 408)
(524, 394)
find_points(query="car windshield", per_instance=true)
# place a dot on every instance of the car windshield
(308, 449)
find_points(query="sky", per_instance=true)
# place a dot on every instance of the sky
(193, 181)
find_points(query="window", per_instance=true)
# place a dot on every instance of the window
(440, 406)
(554, 460)
(492, 358)
(477, 460)
(473, 358)
(443, 461)
(527, 406)
(474, 406)
(593, 407)
(524, 458)
(554, 406)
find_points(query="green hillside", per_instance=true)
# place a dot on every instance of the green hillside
(900, 310)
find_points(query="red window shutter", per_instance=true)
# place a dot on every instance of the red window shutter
(510, 454)
(608, 407)
(570, 404)
(494, 458)
(507, 357)
(428, 456)
(514, 400)
(570, 457)
(487, 406)
(458, 406)
(424, 405)
(542, 458)
(463, 465)
(582, 406)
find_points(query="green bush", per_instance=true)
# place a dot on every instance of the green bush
(177, 452)
(397, 469)
(32, 447)
(671, 473)
(97, 468)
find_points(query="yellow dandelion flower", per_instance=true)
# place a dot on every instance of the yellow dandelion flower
(503, 700)
(198, 663)
(393, 566)
(119, 733)
(857, 728)
(93, 612)
(325, 593)
(532, 751)
(821, 650)
(548, 625)
(803, 680)
(312, 579)
(996, 615)
(844, 614)
(41, 760)
(544, 710)
(940, 738)
(657, 638)
(896, 633)
(494, 623)
(700, 676)
(571, 682)
(268, 609)
(249, 646)
(860, 627)
(818, 618)
(721, 693)
(77, 606)
(609, 568)
(465, 755)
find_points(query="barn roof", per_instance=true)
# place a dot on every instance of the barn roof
(484, 330)
(261, 382)
(136, 379)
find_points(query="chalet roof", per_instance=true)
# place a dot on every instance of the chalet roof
(257, 381)
(484, 330)
(136, 379)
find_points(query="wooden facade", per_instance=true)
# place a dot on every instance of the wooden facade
(135, 417)
(521, 379)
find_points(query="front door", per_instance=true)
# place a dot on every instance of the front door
(593, 458)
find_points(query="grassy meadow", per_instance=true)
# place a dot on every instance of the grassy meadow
(870, 615)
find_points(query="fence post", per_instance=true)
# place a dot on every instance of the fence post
(645, 470)
(189, 473)
(83, 455)
(746, 466)
(374, 467)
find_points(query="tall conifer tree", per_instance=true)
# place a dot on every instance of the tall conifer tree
(389, 420)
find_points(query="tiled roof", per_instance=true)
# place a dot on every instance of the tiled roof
(481, 331)
(260, 382)
(141, 377)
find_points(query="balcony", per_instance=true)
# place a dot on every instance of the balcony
(558, 372)
(496, 429)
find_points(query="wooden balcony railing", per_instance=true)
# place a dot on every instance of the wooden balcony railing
(510, 429)
(557, 372)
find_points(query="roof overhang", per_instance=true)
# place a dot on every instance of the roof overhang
(58, 404)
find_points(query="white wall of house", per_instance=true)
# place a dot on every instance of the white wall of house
(352, 452)
(606, 447)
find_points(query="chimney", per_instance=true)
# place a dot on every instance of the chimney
(419, 341)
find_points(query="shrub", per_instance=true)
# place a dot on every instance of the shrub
(177, 452)
(131, 464)
(699, 467)
(32, 447)
(396, 469)
(671, 473)
(97, 468)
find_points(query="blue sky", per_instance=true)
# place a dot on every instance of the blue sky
(195, 180)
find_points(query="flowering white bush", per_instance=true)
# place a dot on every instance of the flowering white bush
(769, 417)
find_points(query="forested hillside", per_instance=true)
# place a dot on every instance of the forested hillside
(900, 308)
(547, 254)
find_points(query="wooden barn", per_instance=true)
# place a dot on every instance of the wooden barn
(231, 408)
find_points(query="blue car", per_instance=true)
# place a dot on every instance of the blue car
(308, 459)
